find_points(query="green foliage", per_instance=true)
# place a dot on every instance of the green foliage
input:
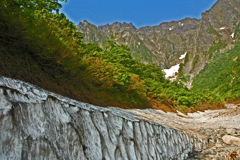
(37, 29)
(195, 61)
(211, 30)
(186, 58)
(184, 78)
(142, 52)
(181, 70)
(222, 74)
(216, 47)
(237, 31)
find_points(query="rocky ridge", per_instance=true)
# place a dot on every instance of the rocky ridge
(165, 43)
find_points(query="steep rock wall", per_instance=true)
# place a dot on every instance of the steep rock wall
(37, 124)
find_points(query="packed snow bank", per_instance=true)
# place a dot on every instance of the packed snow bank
(37, 124)
(171, 71)
(183, 55)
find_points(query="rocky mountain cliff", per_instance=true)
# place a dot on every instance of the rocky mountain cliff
(164, 44)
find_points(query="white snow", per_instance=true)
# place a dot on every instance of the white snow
(222, 28)
(171, 71)
(183, 55)
(232, 35)
(180, 24)
(171, 28)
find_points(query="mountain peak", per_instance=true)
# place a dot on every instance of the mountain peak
(165, 43)
(85, 23)
(118, 25)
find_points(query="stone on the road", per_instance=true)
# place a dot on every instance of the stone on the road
(231, 140)
(231, 131)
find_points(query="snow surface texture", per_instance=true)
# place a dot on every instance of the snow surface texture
(37, 124)
(171, 71)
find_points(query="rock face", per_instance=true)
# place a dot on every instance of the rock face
(165, 43)
(37, 124)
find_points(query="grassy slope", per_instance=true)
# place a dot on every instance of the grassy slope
(221, 74)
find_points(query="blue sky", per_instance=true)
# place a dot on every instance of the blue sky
(139, 12)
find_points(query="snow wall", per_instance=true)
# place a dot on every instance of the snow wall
(37, 124)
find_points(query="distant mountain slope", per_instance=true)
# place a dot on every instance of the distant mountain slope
(222, 74)
(165, 43)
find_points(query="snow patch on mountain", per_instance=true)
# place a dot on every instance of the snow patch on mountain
(183, 55)
(171, 28)
(171, 71)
